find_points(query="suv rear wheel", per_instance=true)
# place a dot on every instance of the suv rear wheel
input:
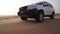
(52, 15)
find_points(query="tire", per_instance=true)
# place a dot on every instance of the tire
(52, 15)
(40, 17)
(24, 18)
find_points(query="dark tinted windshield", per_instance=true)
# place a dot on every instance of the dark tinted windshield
(40, 3)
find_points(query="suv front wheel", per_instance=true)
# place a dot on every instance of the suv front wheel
(40, 17)
(52, 15)
(24, 18)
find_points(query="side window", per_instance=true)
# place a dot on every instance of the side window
(50, 6)
(45, 5)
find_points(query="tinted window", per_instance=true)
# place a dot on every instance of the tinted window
(46, 5)
(39, 3)
(50, 5)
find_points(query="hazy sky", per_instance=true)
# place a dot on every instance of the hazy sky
(11, 7)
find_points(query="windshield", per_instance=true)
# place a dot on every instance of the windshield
(40, 3)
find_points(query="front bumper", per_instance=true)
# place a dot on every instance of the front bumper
(28, 13)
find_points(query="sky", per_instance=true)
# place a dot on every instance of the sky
(11, 7)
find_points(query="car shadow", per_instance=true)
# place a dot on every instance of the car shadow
(46, 20)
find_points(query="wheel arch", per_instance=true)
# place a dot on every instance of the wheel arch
(41, 11)
(53, 12)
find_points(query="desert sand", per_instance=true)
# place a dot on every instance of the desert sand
(14, 25)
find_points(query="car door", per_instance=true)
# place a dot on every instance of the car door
(51, 9)
(46, 8)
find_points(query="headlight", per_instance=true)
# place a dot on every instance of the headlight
(23, 8)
